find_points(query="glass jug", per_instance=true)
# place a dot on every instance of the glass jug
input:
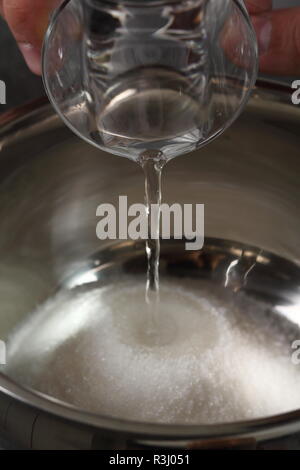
(134, 75)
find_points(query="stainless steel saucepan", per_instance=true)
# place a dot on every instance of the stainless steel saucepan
(51, 183)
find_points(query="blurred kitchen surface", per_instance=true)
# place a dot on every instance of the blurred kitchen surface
(23, 86)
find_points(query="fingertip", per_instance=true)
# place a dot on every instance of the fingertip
(32, 56)
(263, 28)
(28, 21)
(256, 7)
(283, 54)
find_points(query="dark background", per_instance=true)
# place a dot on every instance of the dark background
(22, 86)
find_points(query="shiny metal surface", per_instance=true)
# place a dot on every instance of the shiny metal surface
(50, 184)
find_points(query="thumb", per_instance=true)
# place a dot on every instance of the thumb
(258, 6)
(28, 20)
(282, 56)
(278, 34)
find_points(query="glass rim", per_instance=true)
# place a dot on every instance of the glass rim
(143, 3)
(148, 3)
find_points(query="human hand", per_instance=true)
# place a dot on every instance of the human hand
(28, 20)
(278, 34)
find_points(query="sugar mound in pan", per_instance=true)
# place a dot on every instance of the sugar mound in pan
(215, 357)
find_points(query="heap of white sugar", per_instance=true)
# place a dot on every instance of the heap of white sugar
(216, 358)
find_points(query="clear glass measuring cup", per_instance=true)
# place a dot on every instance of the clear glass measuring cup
(134, 75)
